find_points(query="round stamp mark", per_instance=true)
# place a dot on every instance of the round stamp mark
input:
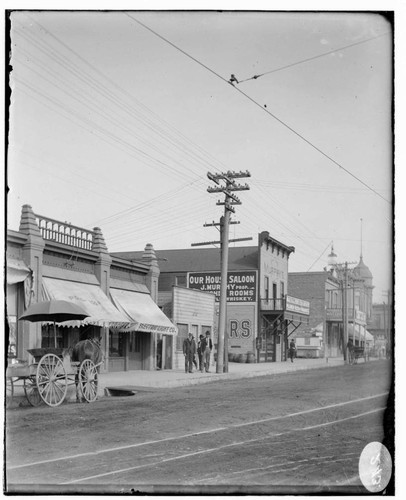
(375, 467)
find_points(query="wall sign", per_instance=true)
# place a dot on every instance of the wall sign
(241, 287)
(297, 305)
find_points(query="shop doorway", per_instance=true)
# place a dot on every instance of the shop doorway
(135, 348)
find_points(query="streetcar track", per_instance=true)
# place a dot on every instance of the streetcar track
(219, 448)
(194, 434)
(304, 461)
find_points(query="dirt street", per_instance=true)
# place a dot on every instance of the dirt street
(291, 433)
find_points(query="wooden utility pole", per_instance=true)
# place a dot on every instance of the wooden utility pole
(387, 320)
(230, 199)
(345, 311)
(342, 273)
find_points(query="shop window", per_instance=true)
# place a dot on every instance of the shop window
(48, 336)
(266, 287)
(135, 342)
(183, 331)
(12, 337)
(206, 329)
(116, 344)
(180, 281)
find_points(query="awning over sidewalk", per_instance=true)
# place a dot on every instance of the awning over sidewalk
(90, 297)
(363, 336)
(17, 271)
(142, 311)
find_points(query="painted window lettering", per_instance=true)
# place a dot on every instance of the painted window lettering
(240, 329)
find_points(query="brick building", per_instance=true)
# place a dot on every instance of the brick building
(324, 291)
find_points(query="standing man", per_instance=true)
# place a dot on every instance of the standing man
(201, 347)
(207, 351)
(292, 350)
(189, 351)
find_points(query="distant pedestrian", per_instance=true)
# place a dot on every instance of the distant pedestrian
(207, 351)
(194, 355)
(189, 351)
(292, 350)
(201, 344)
(350, 347)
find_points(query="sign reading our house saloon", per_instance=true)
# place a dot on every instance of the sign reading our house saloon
(241, 286)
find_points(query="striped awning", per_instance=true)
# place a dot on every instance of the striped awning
(143, 312)
(90, 297)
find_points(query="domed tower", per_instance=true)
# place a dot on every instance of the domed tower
(361, 271)
(363, 278)
(332, 262)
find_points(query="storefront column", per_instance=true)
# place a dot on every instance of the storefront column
(102, 273)
(32, 255)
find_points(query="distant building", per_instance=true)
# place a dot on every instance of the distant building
(324, 291)
(380, 326)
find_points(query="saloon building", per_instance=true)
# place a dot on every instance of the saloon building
(48, 259)
(261, 314)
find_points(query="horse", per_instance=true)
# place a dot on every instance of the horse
(86, 349)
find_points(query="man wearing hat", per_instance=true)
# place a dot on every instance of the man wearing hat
(189, 351)
(207, 351)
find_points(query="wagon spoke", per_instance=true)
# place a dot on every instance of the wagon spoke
(52, 380)
(31, 391)
(88, 380)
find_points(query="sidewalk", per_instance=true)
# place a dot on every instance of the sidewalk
(138, 379)
(123, 383)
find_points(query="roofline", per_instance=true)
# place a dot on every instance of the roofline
(264, 236)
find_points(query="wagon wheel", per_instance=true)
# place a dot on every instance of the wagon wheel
(31, 391)
(52, 381)
(88, 380)
(9, 391)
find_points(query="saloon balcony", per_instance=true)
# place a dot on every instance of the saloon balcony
(288, 307)
(276, 305)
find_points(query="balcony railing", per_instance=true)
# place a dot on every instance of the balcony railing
(65, 233)
(273, 304)
(287, 303)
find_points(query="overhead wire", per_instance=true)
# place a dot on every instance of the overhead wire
(308, 59)
(148, 121)
(76, 116)
(193, 221)
(320, 256)
(100, 111)
(279, 120)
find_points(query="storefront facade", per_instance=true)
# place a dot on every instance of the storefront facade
(260, 313)
(51, 260)
(329, 311)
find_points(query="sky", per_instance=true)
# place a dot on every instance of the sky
(116, 118)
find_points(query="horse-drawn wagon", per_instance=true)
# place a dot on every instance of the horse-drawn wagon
(47, 379)
(358, 352)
